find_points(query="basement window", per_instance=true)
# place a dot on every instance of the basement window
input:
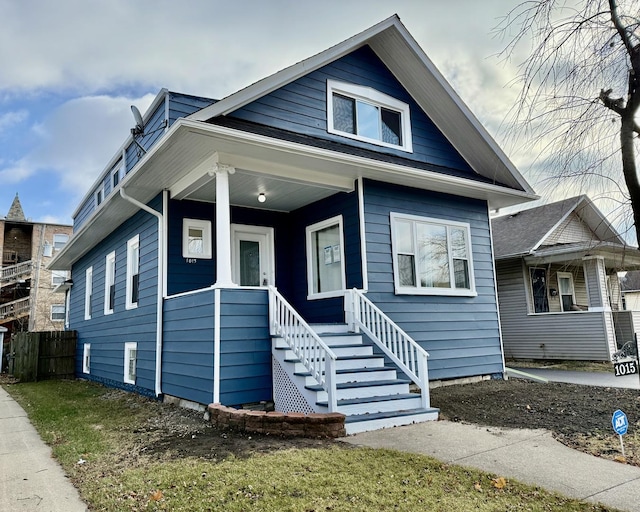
(86, 358)
(130, 362)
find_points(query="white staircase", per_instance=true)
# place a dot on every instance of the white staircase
(371, 394)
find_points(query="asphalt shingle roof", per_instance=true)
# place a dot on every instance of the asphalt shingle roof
(519, 232)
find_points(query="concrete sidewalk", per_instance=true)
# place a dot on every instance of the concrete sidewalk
(30, 480)
(530, 456)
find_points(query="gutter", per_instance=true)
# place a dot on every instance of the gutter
(159, 316)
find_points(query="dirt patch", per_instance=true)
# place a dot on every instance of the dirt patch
(172, 432)
(578, 416)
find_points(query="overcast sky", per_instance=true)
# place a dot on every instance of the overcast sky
(71, 69)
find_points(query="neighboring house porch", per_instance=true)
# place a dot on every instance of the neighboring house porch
(558, 286)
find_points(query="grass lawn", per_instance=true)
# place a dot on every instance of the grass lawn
(107, 442)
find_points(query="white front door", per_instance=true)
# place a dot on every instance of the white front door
(252, 255)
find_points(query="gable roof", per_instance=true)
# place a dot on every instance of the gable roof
(402, 55)
(524, 231)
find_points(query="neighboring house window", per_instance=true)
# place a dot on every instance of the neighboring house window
(431, 256)
(325, 258)
(130, 356)
(133, 272)
(58, 277)
(362, 113)
(99, 196)
(539, 290)
(88, 293)
(59, 241)
(110, 283)
(86, 358)
(57, 312)
(567, 294)
(196, 238)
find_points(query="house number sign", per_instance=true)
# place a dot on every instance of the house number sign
(625, 368)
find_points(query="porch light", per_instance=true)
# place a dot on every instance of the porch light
(261, 197)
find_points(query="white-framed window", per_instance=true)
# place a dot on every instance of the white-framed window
(116, 175)
(110, 283)
(57, 313)
(566, 291)
(59, 241)
(59, 276)
(133, 272)
(88, 292)
(86, 358)
(325, 259)
(431, 256)
(99, 196)
(365, 114)
(196, 239)
(130, 356)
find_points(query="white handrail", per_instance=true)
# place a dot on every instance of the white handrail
(392, 340)
(313, 353)
(14, 271)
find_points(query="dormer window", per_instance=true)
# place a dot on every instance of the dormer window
(362, 113)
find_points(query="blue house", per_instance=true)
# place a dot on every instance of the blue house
(320, 238)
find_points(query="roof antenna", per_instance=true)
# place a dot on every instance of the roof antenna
(138, 129)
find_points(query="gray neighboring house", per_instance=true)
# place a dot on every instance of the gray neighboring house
(558, 289)
(630, 289)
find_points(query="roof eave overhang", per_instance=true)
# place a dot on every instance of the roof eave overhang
(615, 255)
(401, 53)
(171, 159)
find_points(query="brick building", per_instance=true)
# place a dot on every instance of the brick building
(26, 299)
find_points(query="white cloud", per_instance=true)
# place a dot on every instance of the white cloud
(10, 119)
(76, 141)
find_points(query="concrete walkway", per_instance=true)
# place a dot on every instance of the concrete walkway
(30, 480)
(604, 379)
(530, 456)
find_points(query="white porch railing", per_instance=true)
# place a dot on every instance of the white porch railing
(13, 272)
(314, 354)
(363, 314)
(14, 309)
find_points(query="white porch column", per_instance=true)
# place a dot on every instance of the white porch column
(223, 226)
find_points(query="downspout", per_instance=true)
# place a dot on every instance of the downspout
(159, 319)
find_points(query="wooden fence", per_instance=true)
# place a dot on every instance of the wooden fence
(43, 355)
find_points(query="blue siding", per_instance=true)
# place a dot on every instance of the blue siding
(187, 361)
(461, 334)
(245, 347)
(345, 204)
(183, 276)
(108, 333)
(301, 107)
(182, 105)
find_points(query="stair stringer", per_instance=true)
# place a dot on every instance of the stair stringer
(289, 392)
